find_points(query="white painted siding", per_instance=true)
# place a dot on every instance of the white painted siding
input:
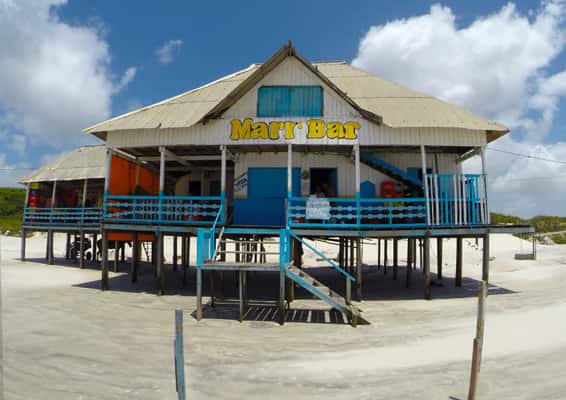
(292, 72)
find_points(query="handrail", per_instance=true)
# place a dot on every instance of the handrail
(328, 260)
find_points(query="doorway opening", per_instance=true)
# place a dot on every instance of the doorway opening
(324, 182)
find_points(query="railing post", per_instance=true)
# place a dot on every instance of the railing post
(162, 154)
(425, 183)
(222, 183)
(358, 184)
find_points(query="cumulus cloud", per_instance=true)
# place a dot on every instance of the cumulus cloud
(167, 52)
(55, 78)
(497, 66)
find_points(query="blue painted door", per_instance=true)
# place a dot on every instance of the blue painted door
(267, 191)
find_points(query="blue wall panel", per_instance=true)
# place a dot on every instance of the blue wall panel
(267, 191)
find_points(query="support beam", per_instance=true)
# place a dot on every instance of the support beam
(104, 266)
(162, 160)
(23, 246)
(175, 240)
(81, 249)
(378, 253)
(385, 255)
(425, 184)
(289, 170)
(281, 304)
(359, 270)
(135, 257)
(159, 265)
(487, 216)
(439, 257)
(395, 257)
(426, 266)
(410, 252)
(116, 255)
(242, 292)
(458, 280)
(485, 258)
(50, 240)
(199, 293)
(94, 247)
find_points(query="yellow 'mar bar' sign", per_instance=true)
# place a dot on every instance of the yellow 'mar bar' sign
(287, 130)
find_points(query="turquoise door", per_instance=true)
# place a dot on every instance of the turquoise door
(267, 191)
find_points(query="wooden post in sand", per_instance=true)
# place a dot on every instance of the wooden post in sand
(458, 280)
(135, 257)
(104, 266)
(395, 257)
(478, 342)
(439, 258)
(426, 264)
(385, 247)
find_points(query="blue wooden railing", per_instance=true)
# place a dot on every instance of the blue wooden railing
(357, 213)
(453, 200)
(457, 199)
(85, 217)
(184, 210)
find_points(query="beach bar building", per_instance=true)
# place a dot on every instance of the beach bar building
(288, 150)
(66, 196)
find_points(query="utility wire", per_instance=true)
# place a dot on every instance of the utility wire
(527, 156)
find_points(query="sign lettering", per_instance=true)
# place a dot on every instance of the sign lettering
(276, 130)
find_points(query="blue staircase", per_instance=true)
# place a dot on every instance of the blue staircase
(390, 170)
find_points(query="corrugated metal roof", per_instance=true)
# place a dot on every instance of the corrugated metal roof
(397, 106)
(88, 162)
(183, 110)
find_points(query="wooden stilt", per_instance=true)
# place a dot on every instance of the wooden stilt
(426, 265)
(439, 258)
(123, 252)
(116, 256)
(378, 253)
(414, 253)
(174, 252)
(395, 257)
(359, 272)
(485, 258)
(94, 247)
(211, 281)
(23, 246)
(68, 247)
(47, 247)
(159, 265)
(281, 296)
(421, 264)
(410, 252)
(241, 292)
(458, 280)
(82, 249)
(199, 293)
(135, 257)
(50, 248)
(104, 266)
(352, 256)
(385, 247)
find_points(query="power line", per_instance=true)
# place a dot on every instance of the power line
(527, 156)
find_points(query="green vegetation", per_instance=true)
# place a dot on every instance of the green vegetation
(542, 224)
(11, 209)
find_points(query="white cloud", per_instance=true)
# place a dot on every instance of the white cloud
(55, 78)
(167, 52)
(497, 67)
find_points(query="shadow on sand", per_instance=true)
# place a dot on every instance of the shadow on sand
(263, 289)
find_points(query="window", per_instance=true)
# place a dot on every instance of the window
(289, 101)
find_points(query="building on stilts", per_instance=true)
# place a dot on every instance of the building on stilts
(258, 163)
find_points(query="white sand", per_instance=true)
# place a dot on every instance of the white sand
(65, 339)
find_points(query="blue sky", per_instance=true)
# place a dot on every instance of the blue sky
(67, 64)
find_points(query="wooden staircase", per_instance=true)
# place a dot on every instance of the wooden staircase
(323, 292)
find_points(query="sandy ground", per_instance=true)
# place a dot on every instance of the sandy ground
(65, 339)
